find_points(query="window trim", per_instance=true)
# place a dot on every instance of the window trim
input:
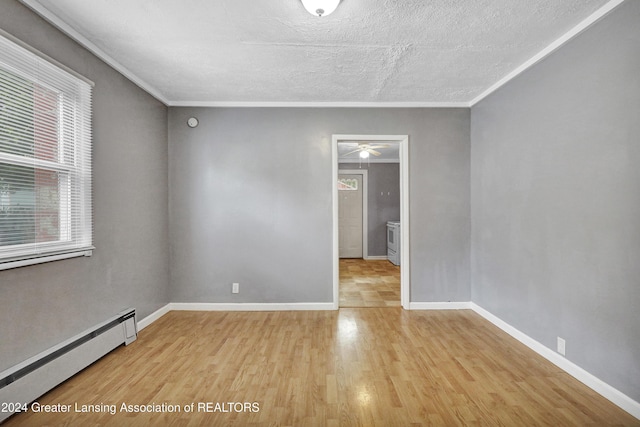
(42, 259)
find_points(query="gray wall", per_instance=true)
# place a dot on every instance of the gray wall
(383, 202)
(250, 201)
(44, 304)
(556, 200)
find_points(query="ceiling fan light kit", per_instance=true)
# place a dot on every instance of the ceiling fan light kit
(320, 7)
(365, 149)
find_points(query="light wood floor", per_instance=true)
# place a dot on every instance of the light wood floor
(351, 367)
(364, 283)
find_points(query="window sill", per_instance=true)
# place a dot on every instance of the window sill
(40, 260)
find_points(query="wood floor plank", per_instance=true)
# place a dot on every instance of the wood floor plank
(369, 283)
(352, 367)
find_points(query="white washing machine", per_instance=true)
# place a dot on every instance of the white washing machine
(393, 241)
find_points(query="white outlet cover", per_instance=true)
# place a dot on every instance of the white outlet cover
(561, 346)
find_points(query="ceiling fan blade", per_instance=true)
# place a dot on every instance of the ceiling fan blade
(374, 152)
(379, 146)
(351, 152)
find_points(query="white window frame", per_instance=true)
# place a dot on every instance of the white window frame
(75, 227)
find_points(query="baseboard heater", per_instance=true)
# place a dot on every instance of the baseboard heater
(32, 378)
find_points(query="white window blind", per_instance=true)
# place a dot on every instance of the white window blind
(45, 159)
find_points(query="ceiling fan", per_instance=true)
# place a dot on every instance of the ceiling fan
(365, 149)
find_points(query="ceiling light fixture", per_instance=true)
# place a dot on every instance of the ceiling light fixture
(364, 154)
(320, 7)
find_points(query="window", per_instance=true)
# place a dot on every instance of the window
(45, 159)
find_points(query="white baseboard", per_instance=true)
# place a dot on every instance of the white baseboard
(456, 305)
(376, 257)
(599, 386)
(187, 306)
(153, 317)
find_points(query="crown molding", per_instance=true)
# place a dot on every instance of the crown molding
(249, 104)
(57, 22)
(555, 45)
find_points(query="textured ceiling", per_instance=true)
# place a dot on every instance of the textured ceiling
(216, 52)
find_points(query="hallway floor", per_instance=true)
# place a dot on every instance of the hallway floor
(369, 283)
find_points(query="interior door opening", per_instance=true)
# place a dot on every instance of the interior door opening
(356, 266)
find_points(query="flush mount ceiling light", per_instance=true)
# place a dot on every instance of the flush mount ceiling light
(320, 7)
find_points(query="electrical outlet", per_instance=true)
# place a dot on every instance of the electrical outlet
(561, 346)
(235, 288)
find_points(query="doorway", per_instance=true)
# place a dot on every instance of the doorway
(401, 142)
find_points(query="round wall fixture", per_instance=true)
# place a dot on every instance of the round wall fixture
(192, 122)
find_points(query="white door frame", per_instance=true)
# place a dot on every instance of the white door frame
(365, 206)
(403, 141)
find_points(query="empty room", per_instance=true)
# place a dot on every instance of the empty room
(319, 213)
